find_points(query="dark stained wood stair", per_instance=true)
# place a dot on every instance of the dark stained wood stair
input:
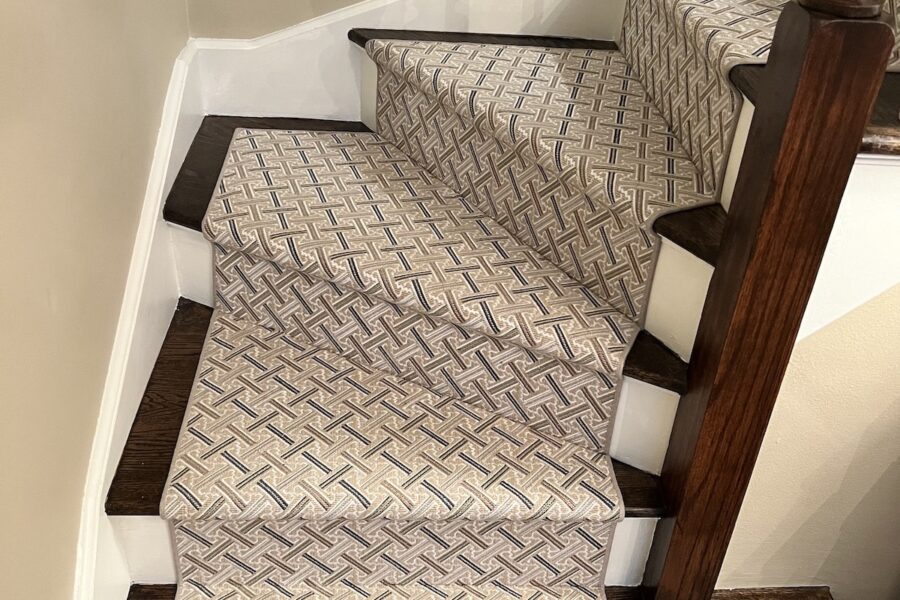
(196, 180)
(360, 36)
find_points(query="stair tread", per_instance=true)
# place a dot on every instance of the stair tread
(351, 209)
(168, 591)
(882, 136)
(563, 147)
(196, 179)
(568, 105)
(140, 479)
(277, 430)
(705, 46)
(698, 230)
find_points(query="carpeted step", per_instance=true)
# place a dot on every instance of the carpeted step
(684, 50)
(561, 146)
(298, 472)
(341, 240)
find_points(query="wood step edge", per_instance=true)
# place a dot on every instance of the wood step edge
(882, 136)
(361, 35)
(139, 482)
(140, 478)
(196, 180)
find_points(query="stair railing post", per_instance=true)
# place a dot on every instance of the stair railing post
(824, 71)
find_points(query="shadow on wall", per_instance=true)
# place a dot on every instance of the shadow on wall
(822, 505)
(842, 534)
(599, 19)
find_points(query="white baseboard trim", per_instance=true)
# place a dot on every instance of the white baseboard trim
(151, 294)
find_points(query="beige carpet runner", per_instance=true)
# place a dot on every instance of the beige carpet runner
(410, 381)
(300, 474)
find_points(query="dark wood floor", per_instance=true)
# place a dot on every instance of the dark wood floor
(652, 362)
(360, 36)
(167, 592)
(140, 478)
(697, 230)
(792, 593)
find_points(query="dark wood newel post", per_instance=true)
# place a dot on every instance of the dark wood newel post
(824, 71)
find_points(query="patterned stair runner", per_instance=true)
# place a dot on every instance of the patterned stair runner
(341, 240)
(298, 473)
(562, 147)
(396, 395)
(410, 380)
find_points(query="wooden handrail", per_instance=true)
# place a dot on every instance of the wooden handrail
(820, 84)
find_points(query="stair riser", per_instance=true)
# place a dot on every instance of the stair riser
(645, 412)
(148, 545)
(680, 283)
(309, 557)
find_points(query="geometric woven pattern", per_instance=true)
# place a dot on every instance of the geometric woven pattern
(683, 51)
(350, 209)
(562, 147)
(379, 559)
(558, 398)
(297, 472)
(280, 431)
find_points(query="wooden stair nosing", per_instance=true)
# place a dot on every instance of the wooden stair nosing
(882, 136)
(195, 182)
(361, 35)
(698, 230)
(167, 592)
(140, 478)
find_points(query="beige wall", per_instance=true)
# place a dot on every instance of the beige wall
(81, 89)
(824, 502)
(249, 19)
